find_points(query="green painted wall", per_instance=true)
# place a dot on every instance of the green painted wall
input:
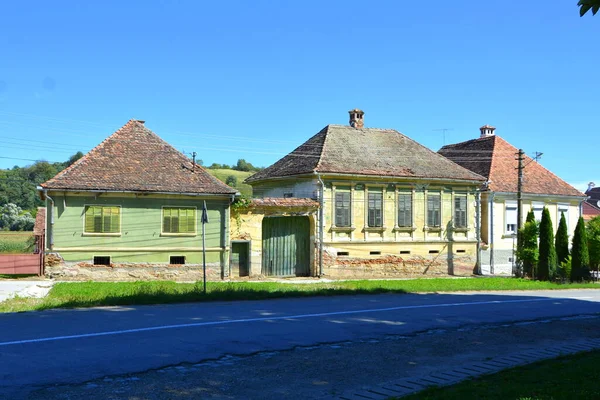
(140, 239)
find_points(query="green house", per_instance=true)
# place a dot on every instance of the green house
(132, 202)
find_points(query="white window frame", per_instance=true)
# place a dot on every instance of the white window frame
(510, 207)
(538, 209)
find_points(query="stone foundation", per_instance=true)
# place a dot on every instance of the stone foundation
(395, 267)
(131, 272)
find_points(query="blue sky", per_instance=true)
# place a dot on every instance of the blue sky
(255, 79)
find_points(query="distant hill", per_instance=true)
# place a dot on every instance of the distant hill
(223, 174)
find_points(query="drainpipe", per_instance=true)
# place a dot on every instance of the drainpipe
(321, 224)
(491, 229)
(51, 212)
(478, 230)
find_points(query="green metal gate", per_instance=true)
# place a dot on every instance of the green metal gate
(286, 246)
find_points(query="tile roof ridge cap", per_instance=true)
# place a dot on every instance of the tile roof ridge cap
(325, 132)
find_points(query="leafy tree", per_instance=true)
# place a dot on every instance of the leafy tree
(527, 252)
(562, 240)
(13, 218)
(547, 261)
(76, 157)
(243, 165)
(580, 256)
(587, 5)
(593, 236)
(231, 180)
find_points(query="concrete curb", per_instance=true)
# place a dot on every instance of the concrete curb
(447, 377)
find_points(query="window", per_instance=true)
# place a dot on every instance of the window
(102, 260)
(434, 218)
(538, 209)
(343, 253)
(404, 210)
(342, 209)
(563, 209)
(179, 220)
(288, 195)
(375, 253)
(177, 260)
(460, 211)
(102, 219)
(510, 217)
(375, 209)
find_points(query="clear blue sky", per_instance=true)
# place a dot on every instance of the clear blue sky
(255, 79)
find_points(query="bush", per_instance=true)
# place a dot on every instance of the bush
(527, 251)
(564, 269)
(593, 236)
(580, 254)
(547, 261)
(231, 180)
(13, 218)
(562, 240)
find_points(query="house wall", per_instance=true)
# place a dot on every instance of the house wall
(299, 188)
(502, 255)
(140, 240)
(246, 225)
(418, 250)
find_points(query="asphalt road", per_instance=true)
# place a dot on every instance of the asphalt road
(71, 346)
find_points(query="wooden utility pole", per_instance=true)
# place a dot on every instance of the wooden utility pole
(520, 155)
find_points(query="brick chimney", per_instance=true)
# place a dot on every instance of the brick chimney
(487, 131)
(356, 118)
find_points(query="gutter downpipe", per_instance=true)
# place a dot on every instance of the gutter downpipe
(491, 228)
(51, 212)
(478, 231)
(321, 224)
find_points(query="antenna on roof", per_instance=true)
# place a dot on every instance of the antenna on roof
(444, 130)
(193, 160)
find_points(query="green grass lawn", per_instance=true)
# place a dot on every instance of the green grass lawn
(222, 174)
(569, 377)
(90, 294)
(16, 242)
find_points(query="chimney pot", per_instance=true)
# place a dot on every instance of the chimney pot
(357, 118)
(487, 131)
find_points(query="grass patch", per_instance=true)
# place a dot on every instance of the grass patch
(569, 377)
(90, 294)
(222, 174)
(16, 242)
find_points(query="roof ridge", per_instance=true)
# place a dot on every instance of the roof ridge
(322, 147)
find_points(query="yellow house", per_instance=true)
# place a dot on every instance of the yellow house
(494, 158)
(389, 206)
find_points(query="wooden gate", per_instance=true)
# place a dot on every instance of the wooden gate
(286, 246)
(24, 264)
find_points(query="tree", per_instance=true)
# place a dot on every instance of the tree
(231, 180)
(587, 5)
(243, 165)
(74, 158)
(13, 218)
(562, 240)
(593, 236)
(580, 256)
(527, 252)
(547, 261)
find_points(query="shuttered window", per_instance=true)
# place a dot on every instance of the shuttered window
(404, 210)
(434, 219)
(342, 209)
(375, 209)
(102, 219)
(460, 211)
(179, 220)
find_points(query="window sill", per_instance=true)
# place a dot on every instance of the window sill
(509, 235)
(178, 234)
(460, 229)
(374, 228)
(343, 228)
(405, 228)
(432, 229)
(101, 234)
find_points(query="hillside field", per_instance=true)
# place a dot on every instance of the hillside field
(222, 174)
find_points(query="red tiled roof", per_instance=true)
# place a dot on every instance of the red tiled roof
(291, 202)
(40, 222)
(135, 159)
(589, 211)
(496, 159)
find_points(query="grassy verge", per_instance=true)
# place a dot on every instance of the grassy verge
(90, 294)
(222, 174)
(570, 377)
(15, 242)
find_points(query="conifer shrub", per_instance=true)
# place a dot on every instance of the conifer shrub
(580, 256)
(562, 240)
(547, 259)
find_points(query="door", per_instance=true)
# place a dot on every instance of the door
(240, 258)
(286, 246)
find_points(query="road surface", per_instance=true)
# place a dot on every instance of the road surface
(39, 349)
